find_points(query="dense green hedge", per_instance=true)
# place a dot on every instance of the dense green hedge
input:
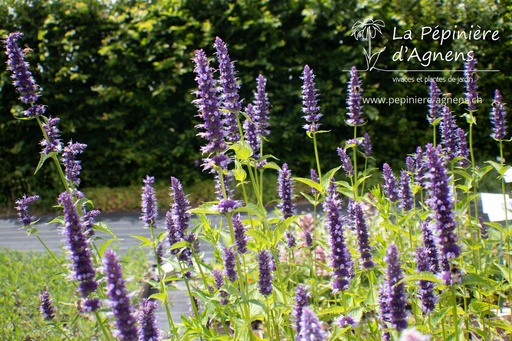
(119, 75)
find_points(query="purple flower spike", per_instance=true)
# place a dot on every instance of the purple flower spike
(71, 165)
(442, 204)
(309, 101)
(346, 321)
(470, 74)
(35, 110)
(462, 148)
(22, 77)
(78, 245)
(52, 142)
(240, 237)
(119, 300)
(228, 205)
(266, 263)
(88, 219)
(367, 145)
(427, 294)
(384, 305)
(230, 100)
(406, 199)
(148, 327)
(354, 99)
(498, 117)
(208, 106)
(219, 283)
(310, 327)
(419, 175)
(448, 129)
(22, 206)
(363, 238)
(397, 297)
(261, 106)
(410, 164)
(46, 307)
(177, 218)
(346, 163)
(251, 130)
(91, 305)
(341, 261)
(434, 111)
(301, 301)
(413, 335)
(149, 204)
(230, 264)
(285, 190)
(390, 187)
(430, 247)
(314, 177)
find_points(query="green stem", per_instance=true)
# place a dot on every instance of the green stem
(319, 169)
(506, 214)
(455, 314)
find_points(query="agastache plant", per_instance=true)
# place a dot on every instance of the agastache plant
(119, 301)
(285, 190)
(266, 263)
(46, 306)
(448, 129)
(390, 187)
(310, 327)
(397, 299)
(498, 117)
(426, 288)
(301, 300)
(71, 164)
(434, 106)
(82, 265)
(363, 238)
(309, 101)
(354, 99)
(261, 106)
(471, 76)
(229, 98)
(442, 205)
(341, 261)
(207, 104)
(148, 327)
(22, 206)
(149, 204)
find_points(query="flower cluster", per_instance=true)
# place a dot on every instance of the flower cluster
(309, 101)
(149, 204)
(22, 206)
(354, 99)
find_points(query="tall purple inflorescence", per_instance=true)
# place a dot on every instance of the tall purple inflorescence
(119, 300)
(78, 245)
(230, 99)
(22, 77)
(341, 259)
(149, 204)
(208, 106)
(442, 205)
(390, 188)
(240, 237)
(88, 219)
(219, 282)
(51, 143)
(266, 263)
(309, 101)
(346, 164)
(434, 106)
(471, 77)
(310, 327)
(71, 164)
(230, 264)
(314, 177)
(22, 206)
(431, 247)
(354, 99)
(462, 147)
(426, 292)
(261, 107)
(148, 327)
(406, 199)
(363, 238)
(251, 131)
(177, 220)
(397, 297)
(285, 191)
(448, 129)
(301, 301)
(46, 306)
(498, 117)
(419, 175)
(367, 145)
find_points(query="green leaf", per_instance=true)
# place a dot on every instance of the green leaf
(505, 272)
(311, 200)
(259, 237)
(310, 183)
(272, 165)
(239, 173)
(103, 227)
(474, 279)
(161, 296)
(242, 150)
(104, 246)
(480, 307)
(205, 209)
(145, 241)
(179, 245)
(501, 169)
(43, 159)
(326, 179)
(333, 310)
(423, 276)
(439, 315)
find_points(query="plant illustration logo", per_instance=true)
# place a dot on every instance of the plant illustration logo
(366, 31)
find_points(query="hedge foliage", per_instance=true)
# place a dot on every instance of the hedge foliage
(119, 75)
